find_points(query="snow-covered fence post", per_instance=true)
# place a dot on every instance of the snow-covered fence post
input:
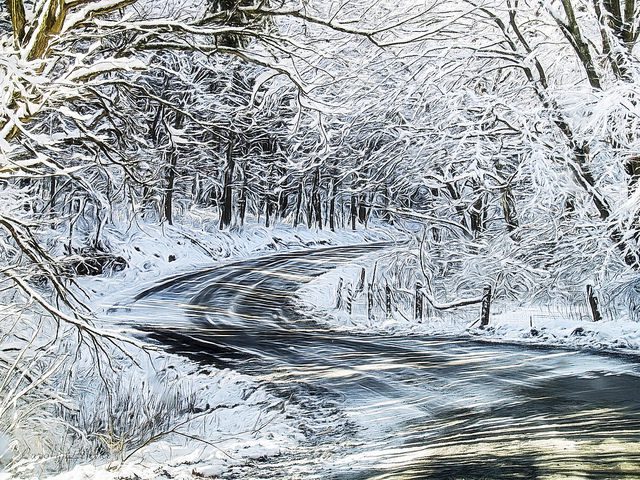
(361, 281)
(593, 304)
(418, 303)
(486, 306)
(387, 291)
(339, 294)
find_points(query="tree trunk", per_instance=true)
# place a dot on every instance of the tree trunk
(227, 189)
(509, 211)
(242, 200)
(296, 219)
(171, 173)
(283, 203)
(170, 183)
(571, 31)
(267, 212)
(18, 19)
(353, 211)
(362, 208)
(52, 196)
(477, 215)
(316, 199)
(332, 206)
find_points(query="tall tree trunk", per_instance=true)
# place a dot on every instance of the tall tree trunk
(172, 172)
(52, 195)
(311, 204)
(309, 211)
(477, 215)
(18, 19)
(316, 199)
(353, 211)
(227, 190)
(283, 203)
(242, 200)
(362, 208)
(267, 211)
(296, 219)
(332, 206)
(509, 210)
(170, 184)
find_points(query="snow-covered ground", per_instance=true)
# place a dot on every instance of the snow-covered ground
(154, 252)
(557, 325)
(232, 419)
(221, 418)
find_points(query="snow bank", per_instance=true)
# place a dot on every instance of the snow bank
(201, 422)
(234, 419)
(154, 252)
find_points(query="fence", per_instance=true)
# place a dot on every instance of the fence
(382, 296)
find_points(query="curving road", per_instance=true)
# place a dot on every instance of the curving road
(402, 406)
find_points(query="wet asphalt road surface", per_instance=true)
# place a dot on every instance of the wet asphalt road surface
(400, 407)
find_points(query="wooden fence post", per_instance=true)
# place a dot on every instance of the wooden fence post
(593, 304)
(361, 282)
(339, 294)
(486, 306)
(387, 291)
(419, 299)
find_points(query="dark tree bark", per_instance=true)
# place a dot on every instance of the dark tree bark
(353, 211)
(296, 219)
(171, 174)
(317, 204)
(332, 206)
(283, 203)
(509, 210)
(170, 184)
(242, 200)
(571, 30)
(362, 208)
(18, 19)
(267, 212)
(226, 213)
(477, 215)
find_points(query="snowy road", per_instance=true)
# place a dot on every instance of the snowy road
(402, 407)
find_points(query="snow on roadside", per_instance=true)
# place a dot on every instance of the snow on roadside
(509, 322)
(231, 419)
(154, 252)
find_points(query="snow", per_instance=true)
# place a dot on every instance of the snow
(197, 244)
(221, 418)
(552, 325)
(239, 421)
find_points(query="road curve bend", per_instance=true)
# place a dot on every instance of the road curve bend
(409, 406)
